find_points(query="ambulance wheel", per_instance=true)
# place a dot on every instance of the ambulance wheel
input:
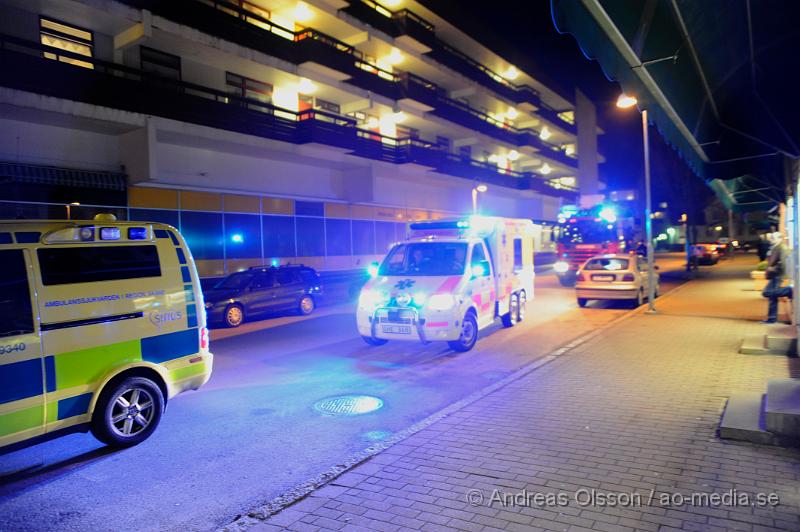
(510, 318)
(582, 302)
(306, 305)
(469, 334)
(234, 316)
(522, 310)
(127, 412)
(374, 341)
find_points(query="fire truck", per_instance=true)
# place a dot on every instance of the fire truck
(582, 234)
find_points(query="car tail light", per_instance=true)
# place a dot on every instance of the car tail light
(628, 277)
(581, 277)
(203, 338)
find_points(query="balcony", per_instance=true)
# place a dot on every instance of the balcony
(463, 64)
(403, 25)
(120, 87)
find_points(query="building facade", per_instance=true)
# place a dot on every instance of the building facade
(273, 131)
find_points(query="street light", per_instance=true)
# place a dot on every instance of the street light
(478, 188)
(625, 102)
(69, 208)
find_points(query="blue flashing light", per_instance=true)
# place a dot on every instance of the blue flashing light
(274, 263)
(372, 269)
(608, 214)
(237, 238)
(137, 233)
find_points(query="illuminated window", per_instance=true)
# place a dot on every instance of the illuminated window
(567, 116)
(324, 105)
(68, 38)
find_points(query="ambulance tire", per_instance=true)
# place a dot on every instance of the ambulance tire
(469, 334)
(145, 407)
(522, 308)
(512, 316)
(374, 341)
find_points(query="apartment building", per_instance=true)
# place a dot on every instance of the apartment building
(273, 131)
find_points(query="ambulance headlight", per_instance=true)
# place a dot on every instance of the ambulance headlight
(370, 298)
(561, 266)
(441, 302)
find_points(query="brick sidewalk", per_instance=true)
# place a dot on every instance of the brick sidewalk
(633, 410)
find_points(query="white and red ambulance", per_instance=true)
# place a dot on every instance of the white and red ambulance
(448, 280)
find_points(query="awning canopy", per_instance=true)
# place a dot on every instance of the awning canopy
(747, 193)
(716, 76)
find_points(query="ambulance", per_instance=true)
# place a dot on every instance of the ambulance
(101, 323)
(448, 280)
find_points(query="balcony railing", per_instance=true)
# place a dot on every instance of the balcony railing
(393, 23)
(251, 30)
(24, 67)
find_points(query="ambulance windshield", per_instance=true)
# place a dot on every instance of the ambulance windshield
(425, 258)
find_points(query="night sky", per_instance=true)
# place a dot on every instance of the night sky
(523, 32)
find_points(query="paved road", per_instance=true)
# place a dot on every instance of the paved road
(252, 433)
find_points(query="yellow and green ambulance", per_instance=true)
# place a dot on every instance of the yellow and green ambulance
(101, 323)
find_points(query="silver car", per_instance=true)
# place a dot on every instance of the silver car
(614, 277)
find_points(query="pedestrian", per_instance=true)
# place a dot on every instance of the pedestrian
(763, 247)
(775, 272)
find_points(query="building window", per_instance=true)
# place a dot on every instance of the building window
(248, 88)
(443, 142)
(160, 63)
(68, 38)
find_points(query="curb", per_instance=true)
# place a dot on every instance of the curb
(259, 514)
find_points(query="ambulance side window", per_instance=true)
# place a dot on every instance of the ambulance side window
(16, 315)
(517, 254)
(479, 259)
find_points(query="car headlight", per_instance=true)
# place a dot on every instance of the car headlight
(561, 266)
(441, 302)
(371, 298)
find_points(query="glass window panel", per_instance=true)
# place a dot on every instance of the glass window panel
(384, 237)
(278, 236)
(16, 315)
(243, 236)
(309, 208)
(203, 233)
(310, 237)
(337, 235)
(363, 237)
(155, 215)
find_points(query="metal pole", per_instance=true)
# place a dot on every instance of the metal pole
(651, 285)
(474, 200)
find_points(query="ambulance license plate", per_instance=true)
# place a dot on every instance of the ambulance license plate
(396, 329)
(602, 277)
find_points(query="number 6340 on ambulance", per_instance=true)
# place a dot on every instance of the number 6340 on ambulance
(101, 323)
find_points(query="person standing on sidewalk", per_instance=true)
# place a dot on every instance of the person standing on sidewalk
(775, 272)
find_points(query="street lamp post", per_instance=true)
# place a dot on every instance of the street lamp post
(475, 190)
(624, 102)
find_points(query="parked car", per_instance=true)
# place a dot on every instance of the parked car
(262, 290)
(619, 277)
(706, 253)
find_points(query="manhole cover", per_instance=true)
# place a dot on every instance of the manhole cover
(348, 405)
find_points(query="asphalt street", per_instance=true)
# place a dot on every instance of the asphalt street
(252, 432)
